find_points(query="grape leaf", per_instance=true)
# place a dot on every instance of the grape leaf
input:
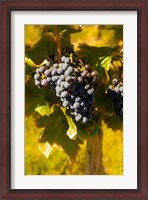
(106, 62)
(56, 127)
(30, 66)
(103, 104)
(92, 54)
(114, 122)
(44, 110)
(72, 130)
(37, 97)
(44, 48)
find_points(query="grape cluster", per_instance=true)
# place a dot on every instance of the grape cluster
(115, 93)
(74, 84)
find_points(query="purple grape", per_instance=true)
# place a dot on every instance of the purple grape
(44, 82)
(56, 65)
(64, 94)
(65, 103)
(76, 105)
(63, 58)
(78, 117)
(62, 77)
(54, 72)
(67, 60)
(42, 69)
(47, 72)
(37, 77)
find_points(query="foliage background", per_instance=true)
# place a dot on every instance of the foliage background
(58, 162)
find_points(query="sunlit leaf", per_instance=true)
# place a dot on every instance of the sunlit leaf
(106, 62)
(44, 110)
(43, 49)
(55, 131)
(72, 130)
(45, 148)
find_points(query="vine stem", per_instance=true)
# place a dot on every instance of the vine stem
(58, 40)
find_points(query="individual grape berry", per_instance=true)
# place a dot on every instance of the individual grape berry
(37, 77)
(37, 82)
(62, 84)
(60, 70)
(77, 72)
(115, 81)
(94, 73)
(56, 65)
(76, 105)
(64, 66)
(84, 73)
(47, 63)
(62, 77)
(85, 119)
(44, 82)
(54, 72)
(59, 89)
(55, 78)
(42, 69)
(65, 103)
(83, 103)
(64, 94)
(78, 99)
(87, 66)
(87, 86)
(69, 71)
(59, 82)
(67, 60)
(89, 76)
(91, 91)
(47, 72)
(66, 85)
(68, 78)
(78, 117)
(63, 58)
(38, 71)
(80, 79)
(49, 79)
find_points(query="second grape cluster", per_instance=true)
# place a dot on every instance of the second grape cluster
(74, 84)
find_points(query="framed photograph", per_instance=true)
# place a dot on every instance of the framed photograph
(68, 130)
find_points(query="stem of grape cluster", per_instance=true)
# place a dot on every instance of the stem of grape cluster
(58, 40)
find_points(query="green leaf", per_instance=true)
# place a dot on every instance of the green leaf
(114, 122)
(55, 131)
(44, 110)
(33, 97)
(30, 66)
(106, 62)
(37, 97)
(44, 48)
(103, 105)
(29, 62)
(72, 130)
(92, 54)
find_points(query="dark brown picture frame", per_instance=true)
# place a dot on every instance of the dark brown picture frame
(141, 6)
